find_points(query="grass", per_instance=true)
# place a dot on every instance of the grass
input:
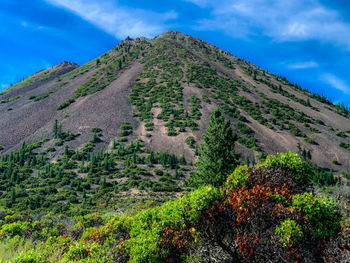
(9, 248)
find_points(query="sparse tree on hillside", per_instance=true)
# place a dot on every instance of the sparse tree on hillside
(217, 158)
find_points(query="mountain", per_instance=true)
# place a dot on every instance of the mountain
(168, 86)
(88, 153)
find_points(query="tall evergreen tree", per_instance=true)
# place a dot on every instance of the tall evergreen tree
(55, 129)
(217, 158)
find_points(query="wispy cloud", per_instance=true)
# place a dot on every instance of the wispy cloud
(116, 20)
(4, 86)
(24, 24)
(201, 3)
(303, 65)
(335, 82)
(281, 20)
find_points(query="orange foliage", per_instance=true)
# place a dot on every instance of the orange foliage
(246, 244)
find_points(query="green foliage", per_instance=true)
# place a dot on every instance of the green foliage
(190, 141)
(290, 161)
(66, 103)
(195, 107)
(30, 257)
(87, 253)
(90, 220)
(345, 145)
(206, 99)
(341, 134)
(324, 178)
(7, 100)
(126, 129)
(320, 213)
(289, 232)
(238, 178)
(45, 95)
(217, 157)
(143, 237)
(96, 129)
(336, 162)
(96, 182)
(311, 141)
(147, 227)
(16, 228)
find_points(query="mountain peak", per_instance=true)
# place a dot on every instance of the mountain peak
(66, 64)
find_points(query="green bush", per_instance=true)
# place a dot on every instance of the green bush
(345, 145)
(16, 228)
(30, 257)
(66, 103)
(126, 129)
(238, 178)
(87, 253)
(190, 141)
(148, 226)
(320, 213)
(309, 140)
(290, 161)
(289, 232)
(90, 220)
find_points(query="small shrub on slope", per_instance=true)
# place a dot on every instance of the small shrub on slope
(290, 232)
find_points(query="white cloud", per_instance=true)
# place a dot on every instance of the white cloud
(280, 20)
(116, 20)
(335, 82)
(303, 65)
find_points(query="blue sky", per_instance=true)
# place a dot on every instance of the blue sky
(308, 41)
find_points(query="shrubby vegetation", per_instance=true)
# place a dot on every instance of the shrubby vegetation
(83, 180)
(263, 208)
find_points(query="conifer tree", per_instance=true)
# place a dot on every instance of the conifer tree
(217, 158)
(13, 196)
(55, 129)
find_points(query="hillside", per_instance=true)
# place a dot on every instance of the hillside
(166, 88)
(131, 121)
(261, 214)
(97, 161)
(168, 85)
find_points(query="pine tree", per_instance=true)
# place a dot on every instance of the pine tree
(95, 138)
(104, 183)
(308, 102)
(217, 158)
(13, 196)
(182, 160)
(55, 129)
